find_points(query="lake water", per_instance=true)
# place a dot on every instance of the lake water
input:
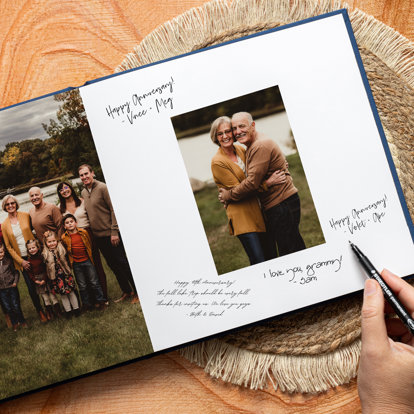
(198, 151)
(49, 195)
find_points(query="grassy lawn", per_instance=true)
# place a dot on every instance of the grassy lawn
(227, 250)
(62, 349)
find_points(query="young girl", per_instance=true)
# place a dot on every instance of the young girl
(9, 294)
(37, 273)
(59, 273)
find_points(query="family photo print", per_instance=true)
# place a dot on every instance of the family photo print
(69, 303)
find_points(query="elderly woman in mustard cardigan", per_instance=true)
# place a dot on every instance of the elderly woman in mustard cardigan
(17, 230)
(245, 217)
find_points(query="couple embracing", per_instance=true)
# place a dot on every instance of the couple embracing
(262, 204)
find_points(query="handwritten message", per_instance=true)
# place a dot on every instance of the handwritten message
(361, 217)
(204, 298)
(304, 275)
(140, 104)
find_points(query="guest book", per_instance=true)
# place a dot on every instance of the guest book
(148, 134)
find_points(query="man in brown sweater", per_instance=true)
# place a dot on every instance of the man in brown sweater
(44, 216)
(104, 227)
(281, 202)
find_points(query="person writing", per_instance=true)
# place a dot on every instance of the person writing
(386, 369)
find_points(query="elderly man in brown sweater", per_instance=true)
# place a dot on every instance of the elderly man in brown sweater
(104, 227)
(44, 216)
(281, 202)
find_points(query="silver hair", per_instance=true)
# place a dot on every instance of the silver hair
(215, 126)
(35, 188)
(5, 198)
(244, 114)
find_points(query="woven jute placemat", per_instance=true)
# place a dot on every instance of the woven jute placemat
(319, 348)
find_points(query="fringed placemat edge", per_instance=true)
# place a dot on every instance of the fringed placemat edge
(305, 374)
(179, 35)
(395, 50)
(195, 26)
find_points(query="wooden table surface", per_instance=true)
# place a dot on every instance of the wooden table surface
(47, 45)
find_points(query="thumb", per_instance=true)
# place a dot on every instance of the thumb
(374, 332)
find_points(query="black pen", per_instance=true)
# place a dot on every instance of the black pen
(399, 309)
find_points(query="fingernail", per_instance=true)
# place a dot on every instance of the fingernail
(370, 287)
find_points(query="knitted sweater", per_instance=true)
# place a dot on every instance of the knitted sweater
(244, 216)
(263, 158)
(8, 273)
(46, 218)
(37, 267)
(10, 240)
(100, 211)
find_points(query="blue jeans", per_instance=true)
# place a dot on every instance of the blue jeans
(10, 299)
(85, 274)
(252, 244)
(282, 222)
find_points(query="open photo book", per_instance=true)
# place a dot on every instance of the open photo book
(163, 205)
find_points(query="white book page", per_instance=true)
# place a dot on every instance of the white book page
(182, 295)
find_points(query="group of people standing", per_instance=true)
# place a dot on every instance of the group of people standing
(262, 203)
(54, 246)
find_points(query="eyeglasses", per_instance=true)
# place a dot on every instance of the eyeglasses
(12, 203)
(222, 133)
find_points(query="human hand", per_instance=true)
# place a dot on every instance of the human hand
(278, 177)
(26, 265)
(224, 196)
(14, 284)
(115, 240)
(386, 368)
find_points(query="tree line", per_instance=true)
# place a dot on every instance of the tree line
(260, 103)
(69, 145)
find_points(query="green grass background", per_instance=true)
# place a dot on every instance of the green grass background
(61, 349)
(227, 250)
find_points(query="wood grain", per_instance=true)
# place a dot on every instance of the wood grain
(170, 384)
(47, 45)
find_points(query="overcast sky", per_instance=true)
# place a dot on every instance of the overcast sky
(25, 121)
